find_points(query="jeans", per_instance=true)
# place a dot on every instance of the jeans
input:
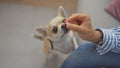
(86, 56)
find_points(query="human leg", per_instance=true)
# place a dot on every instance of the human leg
(86, 56)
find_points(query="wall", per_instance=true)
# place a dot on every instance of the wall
(95, 8)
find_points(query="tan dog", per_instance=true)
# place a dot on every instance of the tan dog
(59, 42)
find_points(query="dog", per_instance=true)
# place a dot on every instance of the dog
(58, 41)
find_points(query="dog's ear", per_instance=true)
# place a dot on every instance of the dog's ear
(61, 11)
(42, 32)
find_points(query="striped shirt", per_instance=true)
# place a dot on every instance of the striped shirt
(110, 41)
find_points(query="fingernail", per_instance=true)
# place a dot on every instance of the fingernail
(67, 23)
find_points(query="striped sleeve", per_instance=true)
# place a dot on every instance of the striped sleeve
(110, 41)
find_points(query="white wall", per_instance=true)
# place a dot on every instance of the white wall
(95, 8)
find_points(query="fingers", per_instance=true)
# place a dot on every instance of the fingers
(78, 22)
(73, 27)
(79, 18)
(72, 18)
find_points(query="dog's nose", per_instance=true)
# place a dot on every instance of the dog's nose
(64, 27)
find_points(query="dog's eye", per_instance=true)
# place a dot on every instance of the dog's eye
(55, 29)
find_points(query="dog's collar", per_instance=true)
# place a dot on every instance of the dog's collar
(51, 43)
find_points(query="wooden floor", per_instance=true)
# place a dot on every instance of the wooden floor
(69, 4)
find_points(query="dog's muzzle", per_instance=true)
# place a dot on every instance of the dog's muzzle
(64, 28)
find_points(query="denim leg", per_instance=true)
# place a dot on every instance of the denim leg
(86, 56)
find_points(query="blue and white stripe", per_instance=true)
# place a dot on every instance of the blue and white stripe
(111, 41)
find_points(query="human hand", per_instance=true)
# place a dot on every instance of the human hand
(81, 23)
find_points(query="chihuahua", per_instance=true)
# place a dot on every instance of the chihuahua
(58, 41)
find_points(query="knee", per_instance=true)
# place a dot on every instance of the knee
(79, 56)
(69, 64)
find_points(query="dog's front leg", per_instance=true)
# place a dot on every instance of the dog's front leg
(75, 41)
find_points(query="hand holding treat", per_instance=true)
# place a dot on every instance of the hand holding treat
(81, 23)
